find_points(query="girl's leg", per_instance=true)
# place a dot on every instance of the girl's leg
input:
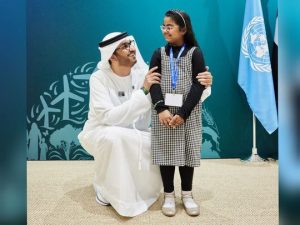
(186, 175)
(190, 206)
(167, 175)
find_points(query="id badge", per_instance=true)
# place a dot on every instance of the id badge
(173, 99)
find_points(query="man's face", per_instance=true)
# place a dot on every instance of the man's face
(125, 53)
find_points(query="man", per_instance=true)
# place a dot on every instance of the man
(117, 130)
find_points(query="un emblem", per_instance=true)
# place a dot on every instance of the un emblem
(255, 45)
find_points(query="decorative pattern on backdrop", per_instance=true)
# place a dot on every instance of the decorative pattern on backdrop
(55, 121)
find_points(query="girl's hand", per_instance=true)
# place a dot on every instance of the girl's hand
(176, 121)
(165, 117)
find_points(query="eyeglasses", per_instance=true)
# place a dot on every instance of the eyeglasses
(127, 45)
(166, 27)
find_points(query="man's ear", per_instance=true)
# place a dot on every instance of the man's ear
(113, 58)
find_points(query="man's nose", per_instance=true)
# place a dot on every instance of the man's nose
(132, 48)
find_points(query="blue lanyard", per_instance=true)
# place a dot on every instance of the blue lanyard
(174, 67)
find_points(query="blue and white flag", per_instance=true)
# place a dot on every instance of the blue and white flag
(255, 73)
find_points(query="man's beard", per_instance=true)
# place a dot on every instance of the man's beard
(126, 61)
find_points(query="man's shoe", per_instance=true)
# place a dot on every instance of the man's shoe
(169, 207)
(100, 200)
(190, 206)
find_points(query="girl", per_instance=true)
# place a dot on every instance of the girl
(176, 119)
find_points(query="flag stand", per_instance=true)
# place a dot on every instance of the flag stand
(254, 156)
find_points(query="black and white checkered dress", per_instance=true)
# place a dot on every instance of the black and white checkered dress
(179, 146)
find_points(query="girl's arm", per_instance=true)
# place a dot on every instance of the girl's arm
(194, 95)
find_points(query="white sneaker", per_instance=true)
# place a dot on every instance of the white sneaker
(190, 206)
(169, 206)
(100, 200)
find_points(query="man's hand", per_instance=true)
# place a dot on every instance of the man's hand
(176, 121)
(151, 78)
(165, 117)
(205, 78)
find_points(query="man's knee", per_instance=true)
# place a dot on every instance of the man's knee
(117, 134)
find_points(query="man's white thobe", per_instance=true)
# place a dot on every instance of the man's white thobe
(117, 135)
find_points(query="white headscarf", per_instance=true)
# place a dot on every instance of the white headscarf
(140, 68)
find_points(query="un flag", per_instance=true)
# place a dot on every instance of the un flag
(255, 73)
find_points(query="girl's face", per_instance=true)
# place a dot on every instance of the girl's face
(172, 32)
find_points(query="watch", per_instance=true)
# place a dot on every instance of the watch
(145, 90)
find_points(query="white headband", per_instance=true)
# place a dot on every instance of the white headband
(175, 11)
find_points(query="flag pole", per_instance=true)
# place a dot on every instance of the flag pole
(254, 156)
(254, 149)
